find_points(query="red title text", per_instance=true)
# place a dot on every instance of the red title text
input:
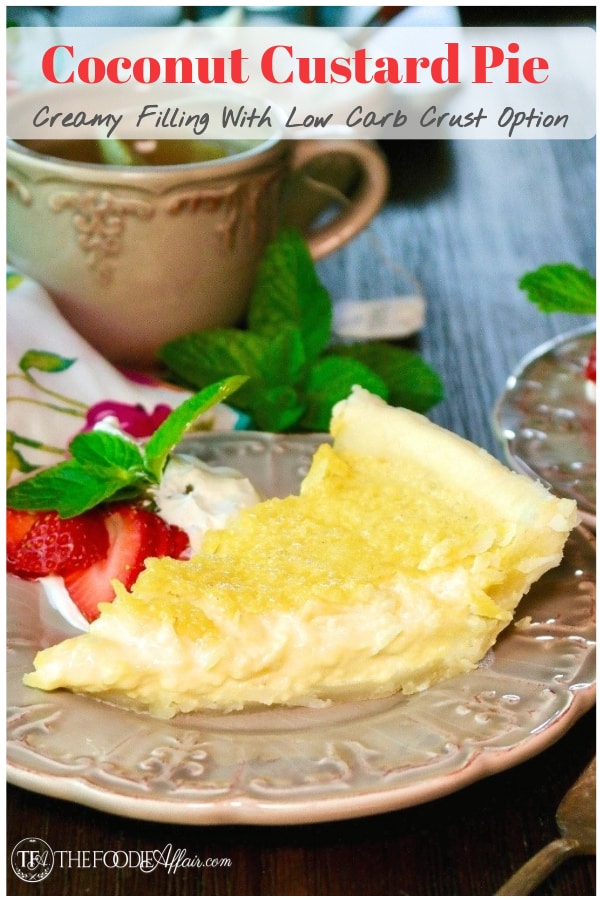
(278, 64)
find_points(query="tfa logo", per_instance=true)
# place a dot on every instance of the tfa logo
(32, 859)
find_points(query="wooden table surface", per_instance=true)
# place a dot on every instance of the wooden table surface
(466, 219)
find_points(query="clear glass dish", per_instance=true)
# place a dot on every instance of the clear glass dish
(546, 419)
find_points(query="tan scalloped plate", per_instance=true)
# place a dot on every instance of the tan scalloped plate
(306, 765)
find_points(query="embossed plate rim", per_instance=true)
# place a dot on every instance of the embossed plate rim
(142, 768)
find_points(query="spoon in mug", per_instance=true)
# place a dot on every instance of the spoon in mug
(576, 820)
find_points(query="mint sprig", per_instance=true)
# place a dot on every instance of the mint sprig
(561, 287)
(106, 466)
(295, 375)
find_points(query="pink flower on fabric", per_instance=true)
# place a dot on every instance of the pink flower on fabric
(132, 417)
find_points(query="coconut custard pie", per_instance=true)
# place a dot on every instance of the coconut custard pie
(399, 563)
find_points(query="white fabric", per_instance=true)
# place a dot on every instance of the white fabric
(34, 323)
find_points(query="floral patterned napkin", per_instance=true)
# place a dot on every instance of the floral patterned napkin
(58, 385)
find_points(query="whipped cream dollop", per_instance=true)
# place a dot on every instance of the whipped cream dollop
(197, 497)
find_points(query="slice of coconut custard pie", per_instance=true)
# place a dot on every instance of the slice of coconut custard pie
(399, 563)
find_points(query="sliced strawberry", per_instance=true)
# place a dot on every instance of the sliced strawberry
(162, 539)
(18, 524)
(129, 536)
(40, 544)
(134, 535)
(180, 543)
(170, 540)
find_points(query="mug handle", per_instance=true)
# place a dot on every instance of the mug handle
(364, 204)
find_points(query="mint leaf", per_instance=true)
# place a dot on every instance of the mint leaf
(67, 487)
(287, 292)
(273, 397)
(202, 357)
(331, 379)
(170, 432)
(284, 360)
(410, 381)
(561, 287)
(99, 450)
(277, 408)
